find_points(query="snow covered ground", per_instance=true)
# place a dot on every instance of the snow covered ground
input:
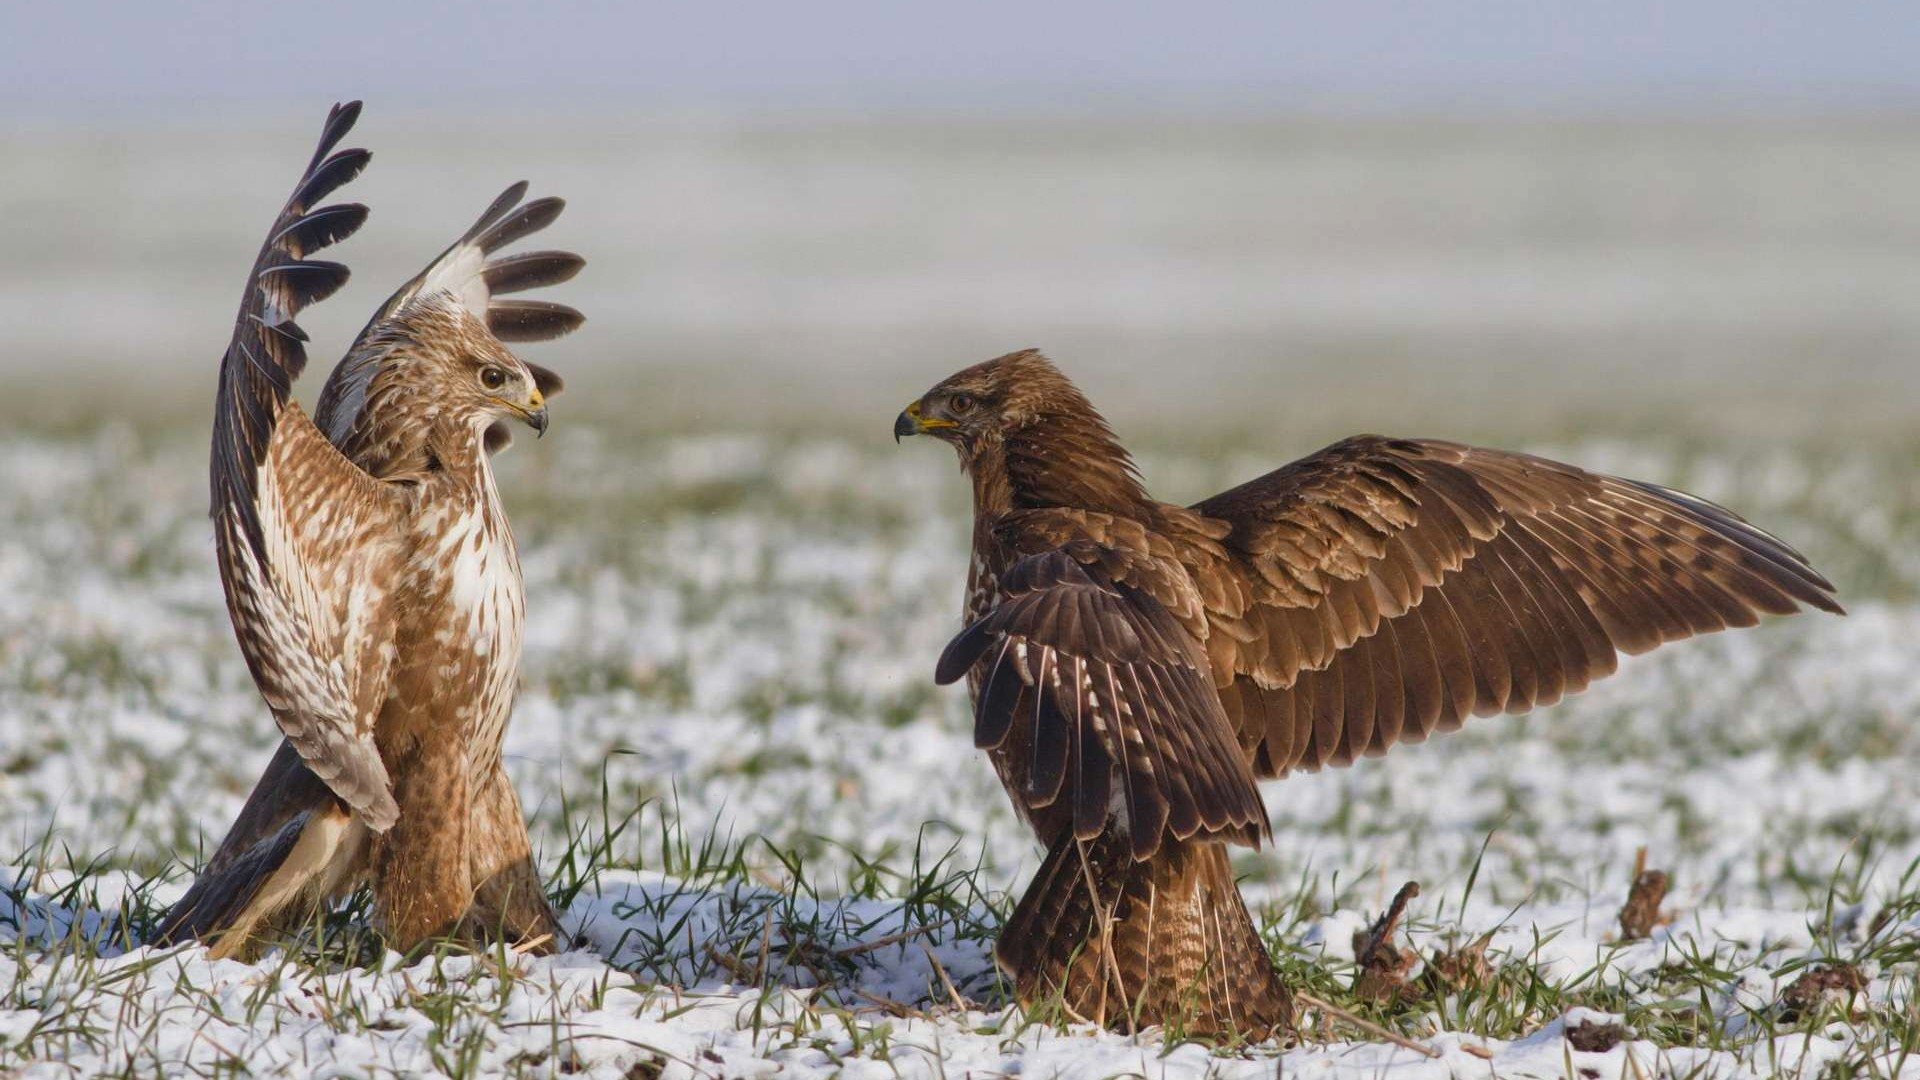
(784, 856)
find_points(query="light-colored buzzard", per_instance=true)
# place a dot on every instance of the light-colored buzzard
(1136, 666)
(373, 583)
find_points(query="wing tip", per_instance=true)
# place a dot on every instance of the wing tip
(532, 320)
(959, 656)
(381, 812)
(502, 205)
(1828, 602)
(340, 120)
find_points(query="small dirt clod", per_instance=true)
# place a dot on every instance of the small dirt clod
(1641, 913)
(1464, 968)
(1820, 985)
(1590, 1037)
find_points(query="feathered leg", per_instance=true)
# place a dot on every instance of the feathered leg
(509, 903)
(1129, 944)
(293, 849)
(422, 874)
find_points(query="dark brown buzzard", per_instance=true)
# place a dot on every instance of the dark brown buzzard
(1135, 666)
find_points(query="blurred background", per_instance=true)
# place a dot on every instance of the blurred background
(1492, 220)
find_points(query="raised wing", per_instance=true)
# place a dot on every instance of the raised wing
(470, 271)
(1384, 589)
(308, 543)
(1088, 681)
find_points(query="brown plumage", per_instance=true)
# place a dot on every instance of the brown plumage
(1137, 666)
(373, 583)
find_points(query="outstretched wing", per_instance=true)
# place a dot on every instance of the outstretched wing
(1087, 681)
(307, 542)
(470, 270)
(1384, 589)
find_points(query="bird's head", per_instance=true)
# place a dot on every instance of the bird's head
(457, 364)
(985, 405)
(1026, 435)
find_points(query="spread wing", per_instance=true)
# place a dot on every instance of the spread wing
(1384, 589)
(1088, 681)
(470, 270)
(307, 542)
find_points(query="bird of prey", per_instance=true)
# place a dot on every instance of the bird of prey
(373, 583)
(1136, 666)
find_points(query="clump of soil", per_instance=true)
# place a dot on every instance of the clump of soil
(1383, 965)
(1641, 913)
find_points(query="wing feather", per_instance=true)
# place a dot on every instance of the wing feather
(1399, 586)
(1104, 680)
(307, 542)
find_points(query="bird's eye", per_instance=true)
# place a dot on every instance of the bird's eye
(492, 378)
(960, 404)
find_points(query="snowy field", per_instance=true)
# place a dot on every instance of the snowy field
(769, 829)
(784, 857)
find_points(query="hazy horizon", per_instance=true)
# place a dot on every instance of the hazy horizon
(1483, 277)
(1451, 217)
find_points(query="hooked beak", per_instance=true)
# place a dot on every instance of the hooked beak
(535, 413)
(911, 422)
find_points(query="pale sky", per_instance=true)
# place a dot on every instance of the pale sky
(129, 59)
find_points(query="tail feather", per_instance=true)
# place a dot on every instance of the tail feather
(218, 898)
(1129, 944)
(314, 857)
(294, 846)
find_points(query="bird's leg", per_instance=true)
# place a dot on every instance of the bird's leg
(508, 903)
(422, 872)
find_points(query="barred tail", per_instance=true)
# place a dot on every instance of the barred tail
(1129, 944)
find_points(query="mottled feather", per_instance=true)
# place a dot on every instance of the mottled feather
(307, 542)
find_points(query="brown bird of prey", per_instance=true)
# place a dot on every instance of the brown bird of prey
(373, 583)
(1136, 666)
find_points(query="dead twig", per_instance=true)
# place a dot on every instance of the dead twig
(528, 946)
(1368, 1026)
(735, 966)
(953, 993)
(891, 1007)
(766, 950)
(891, 939)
